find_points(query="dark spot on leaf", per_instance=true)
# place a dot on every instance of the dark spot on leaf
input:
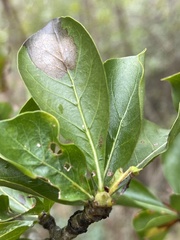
(100, 143)
(52, 50)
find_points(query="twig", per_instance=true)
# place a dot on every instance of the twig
(78, 223)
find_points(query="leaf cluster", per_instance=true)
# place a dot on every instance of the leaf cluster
(82, 136)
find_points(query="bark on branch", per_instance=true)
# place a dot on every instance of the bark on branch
(78, 223)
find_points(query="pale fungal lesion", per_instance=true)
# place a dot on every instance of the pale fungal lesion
(110, 173)
(52, 50)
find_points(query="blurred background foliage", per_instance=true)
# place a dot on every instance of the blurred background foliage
(119, 28)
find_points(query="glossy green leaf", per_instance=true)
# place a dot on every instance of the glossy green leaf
(174, 201)
(152, 225)
(131, 141)
(30, 140)
(171, 165)
(11, 177)
(29, 106)
(14, 229)
(139, 196)
(126, 89)
(63, 71)
(175, 84)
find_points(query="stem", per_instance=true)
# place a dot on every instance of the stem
(78, 223)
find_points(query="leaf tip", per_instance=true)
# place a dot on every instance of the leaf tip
(52, 49)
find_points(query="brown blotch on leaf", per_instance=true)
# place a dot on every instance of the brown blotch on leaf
(52, 50)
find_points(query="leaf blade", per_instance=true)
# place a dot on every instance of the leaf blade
(152, 225)
(15, 179)
(171, 166)
(13, 230)
(139, 196)
(78, 98)
(35, 158)
(125, 81)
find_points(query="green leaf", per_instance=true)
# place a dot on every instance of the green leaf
(29, 106)
(12, 230)
(5, 213)
(174, 201)
(139, 196)
(132, 140)
(175, 84)
(171, 165)
(152, 225)
(63, 71)
(126, 87)
(11, 177)
(15, 204)
(30, 140)
(151, 143)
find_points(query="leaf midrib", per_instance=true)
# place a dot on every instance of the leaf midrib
(88, 134)
(151, 154)
(118, 132)
(54, 169)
